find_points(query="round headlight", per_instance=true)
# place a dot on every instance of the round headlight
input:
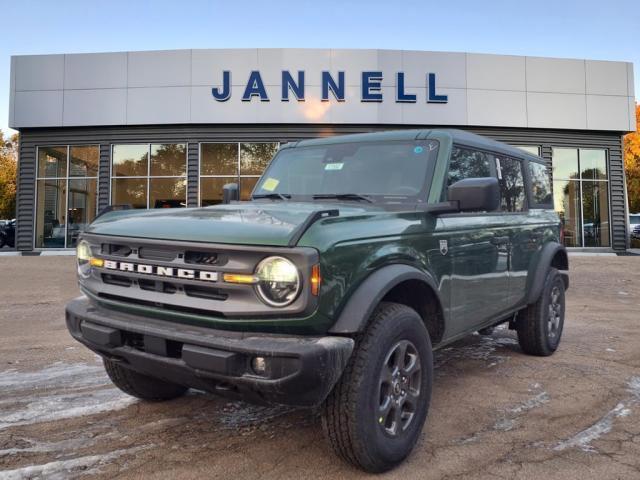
(278, 281)
(83, 255)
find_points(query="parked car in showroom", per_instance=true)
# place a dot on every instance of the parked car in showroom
(8, 233)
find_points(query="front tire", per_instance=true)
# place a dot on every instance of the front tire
(540, 325)
(374, 415)
(141, 386)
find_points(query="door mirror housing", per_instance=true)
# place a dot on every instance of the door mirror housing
(476, 194)
(230, 193)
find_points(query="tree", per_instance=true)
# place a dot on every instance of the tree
(8, 176)
(632, 165)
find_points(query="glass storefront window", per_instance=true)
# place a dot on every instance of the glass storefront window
(167, 192)
(593, 164)
(595, 212)
(130, 160)
(246, 187)
(566, 201)
(51, 216)
(581, 195)
(565, 163)
(129, 191)
(52, 162)
(254, 157)
(241, 163)
(168, 159)
(66, 191)
(219, 159)
(149, 175)
(84, 161)
(83, 196)
(211, 190)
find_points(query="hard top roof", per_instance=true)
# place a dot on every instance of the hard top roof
(457, 137)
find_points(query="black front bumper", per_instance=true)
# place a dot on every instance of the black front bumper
(301, 370)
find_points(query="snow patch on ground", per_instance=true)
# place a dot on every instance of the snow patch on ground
(531, 403)
(58, 375)
(583, 439)
(38, 409)
(70, 468)
(509, 420)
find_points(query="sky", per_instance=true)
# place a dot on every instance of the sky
(559, 28)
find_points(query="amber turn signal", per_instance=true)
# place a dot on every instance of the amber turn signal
(315, 280)
(96, 262)
(239, 278)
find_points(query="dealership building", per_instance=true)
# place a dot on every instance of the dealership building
(170, 128)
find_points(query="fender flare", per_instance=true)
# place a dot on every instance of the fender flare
(360, 306)
(536, 278)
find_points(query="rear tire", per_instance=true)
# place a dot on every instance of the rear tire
(540, 325)
(141, 386)
(375, 414)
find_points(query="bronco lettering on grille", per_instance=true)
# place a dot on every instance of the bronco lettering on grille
(185, 273)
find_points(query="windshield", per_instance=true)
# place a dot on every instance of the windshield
(372, 171)
(634, 219)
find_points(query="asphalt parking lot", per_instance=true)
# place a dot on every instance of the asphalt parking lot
(496, 413)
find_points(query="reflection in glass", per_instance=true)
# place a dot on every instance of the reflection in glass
(540, 183)
(169, 159)
(211, 190)
(566, 199)
(81, 208)
(595, 212)
(129, 191)
(467, 163)
(565, 163)
(219, 159)
(254, 157)
(167, 192)
(511, 185)
(130, 160)
(50, 215)
(52, 162)
(593, 164)
(84, 161)
(246, 187)
(533, 149)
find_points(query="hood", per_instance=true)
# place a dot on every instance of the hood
(248, 223)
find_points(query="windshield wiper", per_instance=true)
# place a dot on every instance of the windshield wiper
(273, 196)
(343, 196)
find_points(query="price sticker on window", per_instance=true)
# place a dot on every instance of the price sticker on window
(270, 184)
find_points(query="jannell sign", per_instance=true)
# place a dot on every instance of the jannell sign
(371, 88)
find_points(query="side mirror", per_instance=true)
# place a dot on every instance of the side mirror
(476, 194)
(230, 193)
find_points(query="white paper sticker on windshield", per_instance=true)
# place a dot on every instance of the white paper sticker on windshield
(333, 166)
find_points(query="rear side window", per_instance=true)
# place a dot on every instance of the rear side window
(512, 196)
(467, 163)
(540, 184)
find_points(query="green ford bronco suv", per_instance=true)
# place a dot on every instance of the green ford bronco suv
(355, 258)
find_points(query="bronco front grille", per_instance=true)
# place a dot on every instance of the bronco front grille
(188, 277)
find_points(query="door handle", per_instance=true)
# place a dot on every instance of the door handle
(499, 240)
